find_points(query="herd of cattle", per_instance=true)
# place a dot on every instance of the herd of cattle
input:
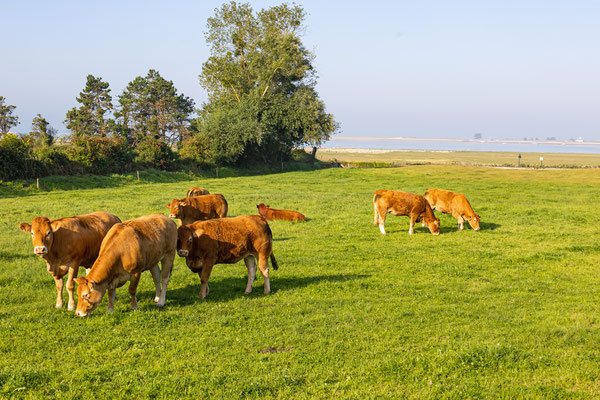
(114, 252)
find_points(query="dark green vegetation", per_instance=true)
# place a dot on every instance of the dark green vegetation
(262, 103)
(510, 311)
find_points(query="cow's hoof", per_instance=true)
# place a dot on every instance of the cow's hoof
(58, 305)
(71, 308)
(160, 303)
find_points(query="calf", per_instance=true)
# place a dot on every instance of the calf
(402, 203)
(196, 191)
(453, 203)
(190, 209)
(269, 214)
(227, 241)
(129, 249)
(68, 243)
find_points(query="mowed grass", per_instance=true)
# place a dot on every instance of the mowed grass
(511, 311)
(488, 158)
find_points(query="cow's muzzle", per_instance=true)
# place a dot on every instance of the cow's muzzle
(80, 314)
(40, 250)
(172, 216)
(183, 253)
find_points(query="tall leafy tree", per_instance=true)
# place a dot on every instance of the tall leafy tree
(42, 134)
(259, 69)
(150, 107)
(7, 120)
(89, 118)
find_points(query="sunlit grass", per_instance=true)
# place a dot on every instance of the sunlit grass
(510, 311)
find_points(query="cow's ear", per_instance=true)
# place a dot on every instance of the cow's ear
(25, 227)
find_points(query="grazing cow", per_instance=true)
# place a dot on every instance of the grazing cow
(68, 243)
(129, 249)
(402, 203)
(453, 203)
(196, 191)
(227, 241)
(201, 208)
(269, 213)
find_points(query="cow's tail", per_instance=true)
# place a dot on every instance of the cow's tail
(274, 261)
(376, 217)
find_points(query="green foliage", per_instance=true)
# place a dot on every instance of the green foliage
(151, 108)
(101, 155)
(42, 134)
(260, 81)
(7, 120)
(154, 153)
(88, 119)
(15, 157)
(509, 312)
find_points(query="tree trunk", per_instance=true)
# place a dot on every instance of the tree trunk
(313, 155)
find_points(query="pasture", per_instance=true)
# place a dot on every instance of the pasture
(511, 311)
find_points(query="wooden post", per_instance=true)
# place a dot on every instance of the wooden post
(217, 172)
(138, 174)
(37, 183)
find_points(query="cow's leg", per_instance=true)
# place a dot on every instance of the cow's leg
(59, 289)
(204, 275)
(263, 264)
(155, 271)
(381, 214)
(112, 295)
(165, 274)
(375, 214)
(250, 262)
(461, 222)
(73, 271)
(411, 230)
(133, 284)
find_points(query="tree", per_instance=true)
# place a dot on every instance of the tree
(89, 118)
(151, 108)
(42, 134)
(7, 120)
(260, 82)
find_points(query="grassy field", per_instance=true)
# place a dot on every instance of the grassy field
(489, 158)
(508, 312)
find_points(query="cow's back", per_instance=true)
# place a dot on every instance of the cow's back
(401, 203)
(137, 244)
(206, 207)
(79, 238)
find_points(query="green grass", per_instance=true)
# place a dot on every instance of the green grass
(508, 312)
(488, 158)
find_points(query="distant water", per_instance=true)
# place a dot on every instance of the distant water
(393, 144)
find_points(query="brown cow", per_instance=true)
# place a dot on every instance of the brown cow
(201, 208)
(269, 214)
(129, 249)
(402, 203)
(227, 241)
(68, 243)
(196, 191)
(453, 203)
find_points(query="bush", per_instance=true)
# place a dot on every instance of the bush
(102, 155)
(15, 158)
(154, 153)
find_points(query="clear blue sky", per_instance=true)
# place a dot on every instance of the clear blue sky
(506, 69)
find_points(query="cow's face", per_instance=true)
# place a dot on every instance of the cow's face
(88, 297)
(176, 207)
(474, 222)
(434, 226)
(42, 235)
(262, 209)
(185, 241)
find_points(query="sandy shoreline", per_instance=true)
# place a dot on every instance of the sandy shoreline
(455, 140)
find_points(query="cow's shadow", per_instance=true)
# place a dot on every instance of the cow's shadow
(15, 256)
(488, 226)
(231, 288)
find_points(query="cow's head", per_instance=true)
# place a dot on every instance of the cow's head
(185, 240)
(176, 207)
(262, 209)
(434, 226)
(88, 296)
(474, 221)
(42, 235)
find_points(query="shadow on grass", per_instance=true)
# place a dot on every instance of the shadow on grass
(233, 288)
(488, 226)
(15, 256)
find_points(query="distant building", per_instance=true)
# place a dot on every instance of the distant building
(579, 139)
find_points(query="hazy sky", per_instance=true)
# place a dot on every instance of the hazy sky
(506, 69)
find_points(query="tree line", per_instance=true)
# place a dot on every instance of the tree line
(262, 104)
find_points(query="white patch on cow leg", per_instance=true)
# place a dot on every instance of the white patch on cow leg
(87, 271)
(71, 287)
(382, 229)
(251, 266)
